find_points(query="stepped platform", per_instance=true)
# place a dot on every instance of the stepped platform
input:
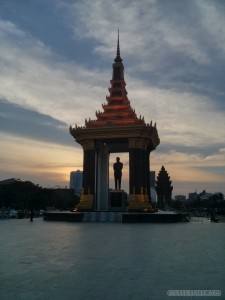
(157, 217)
(65, 216)
(114, 217)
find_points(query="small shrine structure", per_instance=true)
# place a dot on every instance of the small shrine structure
(163, 189)
(116, 129)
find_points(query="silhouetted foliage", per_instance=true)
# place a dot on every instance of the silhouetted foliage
(214, 201)
(24, 195)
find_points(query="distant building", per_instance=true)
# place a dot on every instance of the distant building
(180, 197)
(76, 178)
(152, 187)
(205, 196)
(193, 196)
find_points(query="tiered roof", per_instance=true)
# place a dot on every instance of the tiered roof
(117, 110)
(118, 120)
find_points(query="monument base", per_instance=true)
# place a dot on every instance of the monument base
(140, 203)
(157, 217)
(117, 200)
(116, 217)
(86, 203)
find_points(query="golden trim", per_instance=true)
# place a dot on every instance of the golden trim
(86, 202)
(139, 202)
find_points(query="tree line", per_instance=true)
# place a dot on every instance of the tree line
(25, 195)
(214, 201)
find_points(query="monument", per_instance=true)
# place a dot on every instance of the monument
(163, 189)
(117, 129)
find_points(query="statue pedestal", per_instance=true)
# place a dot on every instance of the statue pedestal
(139, 202)
(117, 200)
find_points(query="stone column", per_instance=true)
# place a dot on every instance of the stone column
(148, 174)
(88, 189)
(102, 181)
(139, 166)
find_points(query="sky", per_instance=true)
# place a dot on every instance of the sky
(55, 69)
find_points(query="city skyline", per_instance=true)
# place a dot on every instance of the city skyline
(56, 66)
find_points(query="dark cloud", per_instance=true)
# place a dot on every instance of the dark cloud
(203, 80)
(219, 170)
(164, 148)
(46, 21)
(24, 122)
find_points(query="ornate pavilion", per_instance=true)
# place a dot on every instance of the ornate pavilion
(116, 129)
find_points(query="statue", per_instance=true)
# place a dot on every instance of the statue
(117, 167)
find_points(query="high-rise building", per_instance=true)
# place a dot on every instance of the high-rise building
(76, 178)
(152, 187)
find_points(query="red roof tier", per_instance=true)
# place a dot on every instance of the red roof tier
(117, 111)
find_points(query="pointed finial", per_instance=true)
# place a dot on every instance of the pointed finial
(118, 58)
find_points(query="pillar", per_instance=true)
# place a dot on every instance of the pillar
(89, 171)
(148, 174)
(139, 169)
(102, 180)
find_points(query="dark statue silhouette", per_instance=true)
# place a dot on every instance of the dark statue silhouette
(117, 167)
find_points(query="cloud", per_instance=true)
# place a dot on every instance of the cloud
(194, 169)
(160, 34)
(212, 18)
(20, 121)
(182, 118)
(165, 44)
(42, 80)
(44, 163)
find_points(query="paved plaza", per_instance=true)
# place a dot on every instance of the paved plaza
(110, 261)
